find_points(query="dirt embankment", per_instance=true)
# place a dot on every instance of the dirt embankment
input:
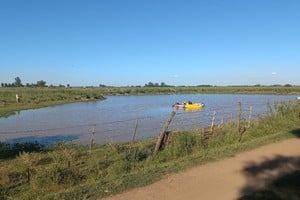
(225, 179)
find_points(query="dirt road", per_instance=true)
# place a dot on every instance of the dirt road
(225, 179)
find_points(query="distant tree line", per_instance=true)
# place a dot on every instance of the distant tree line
(162, 84)
(18, 83)
(42, 83)
(259, 85)
(149, 84)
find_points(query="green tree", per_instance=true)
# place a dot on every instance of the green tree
(162, 84)
(18, 82)
(41, 83)
(150, 84)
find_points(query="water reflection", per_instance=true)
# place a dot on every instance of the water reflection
(45, 141)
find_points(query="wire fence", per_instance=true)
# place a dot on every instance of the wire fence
(141, 127)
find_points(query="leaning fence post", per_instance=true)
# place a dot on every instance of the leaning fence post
(134, 131)
(162, 133)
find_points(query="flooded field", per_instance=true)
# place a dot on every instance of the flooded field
(115, 118)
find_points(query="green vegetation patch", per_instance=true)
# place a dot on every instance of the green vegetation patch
(40, 97)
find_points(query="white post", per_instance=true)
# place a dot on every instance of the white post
(17, 98)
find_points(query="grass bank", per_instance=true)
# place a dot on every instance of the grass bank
(41, 97)
(199, 90)
(68, 171)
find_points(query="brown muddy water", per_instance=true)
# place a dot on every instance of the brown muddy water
(115, 118)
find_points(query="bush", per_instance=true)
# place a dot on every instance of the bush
(59, 176)
(11, 150)
(182, 144)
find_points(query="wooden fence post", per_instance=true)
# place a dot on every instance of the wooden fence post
(134, 131)
(132, 141)
(241, 130)
(162, 133)
(92, 138)
(221, 123)
(239, 117)
(28, 175)
(250, 116)
(213, 122)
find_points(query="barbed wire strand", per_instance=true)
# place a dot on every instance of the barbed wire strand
(203, 118)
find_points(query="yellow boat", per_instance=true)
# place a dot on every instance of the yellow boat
(193, 106)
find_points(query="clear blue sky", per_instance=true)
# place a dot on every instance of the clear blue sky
(132, 42)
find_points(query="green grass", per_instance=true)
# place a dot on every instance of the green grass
(41, 97)
(69, 171)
